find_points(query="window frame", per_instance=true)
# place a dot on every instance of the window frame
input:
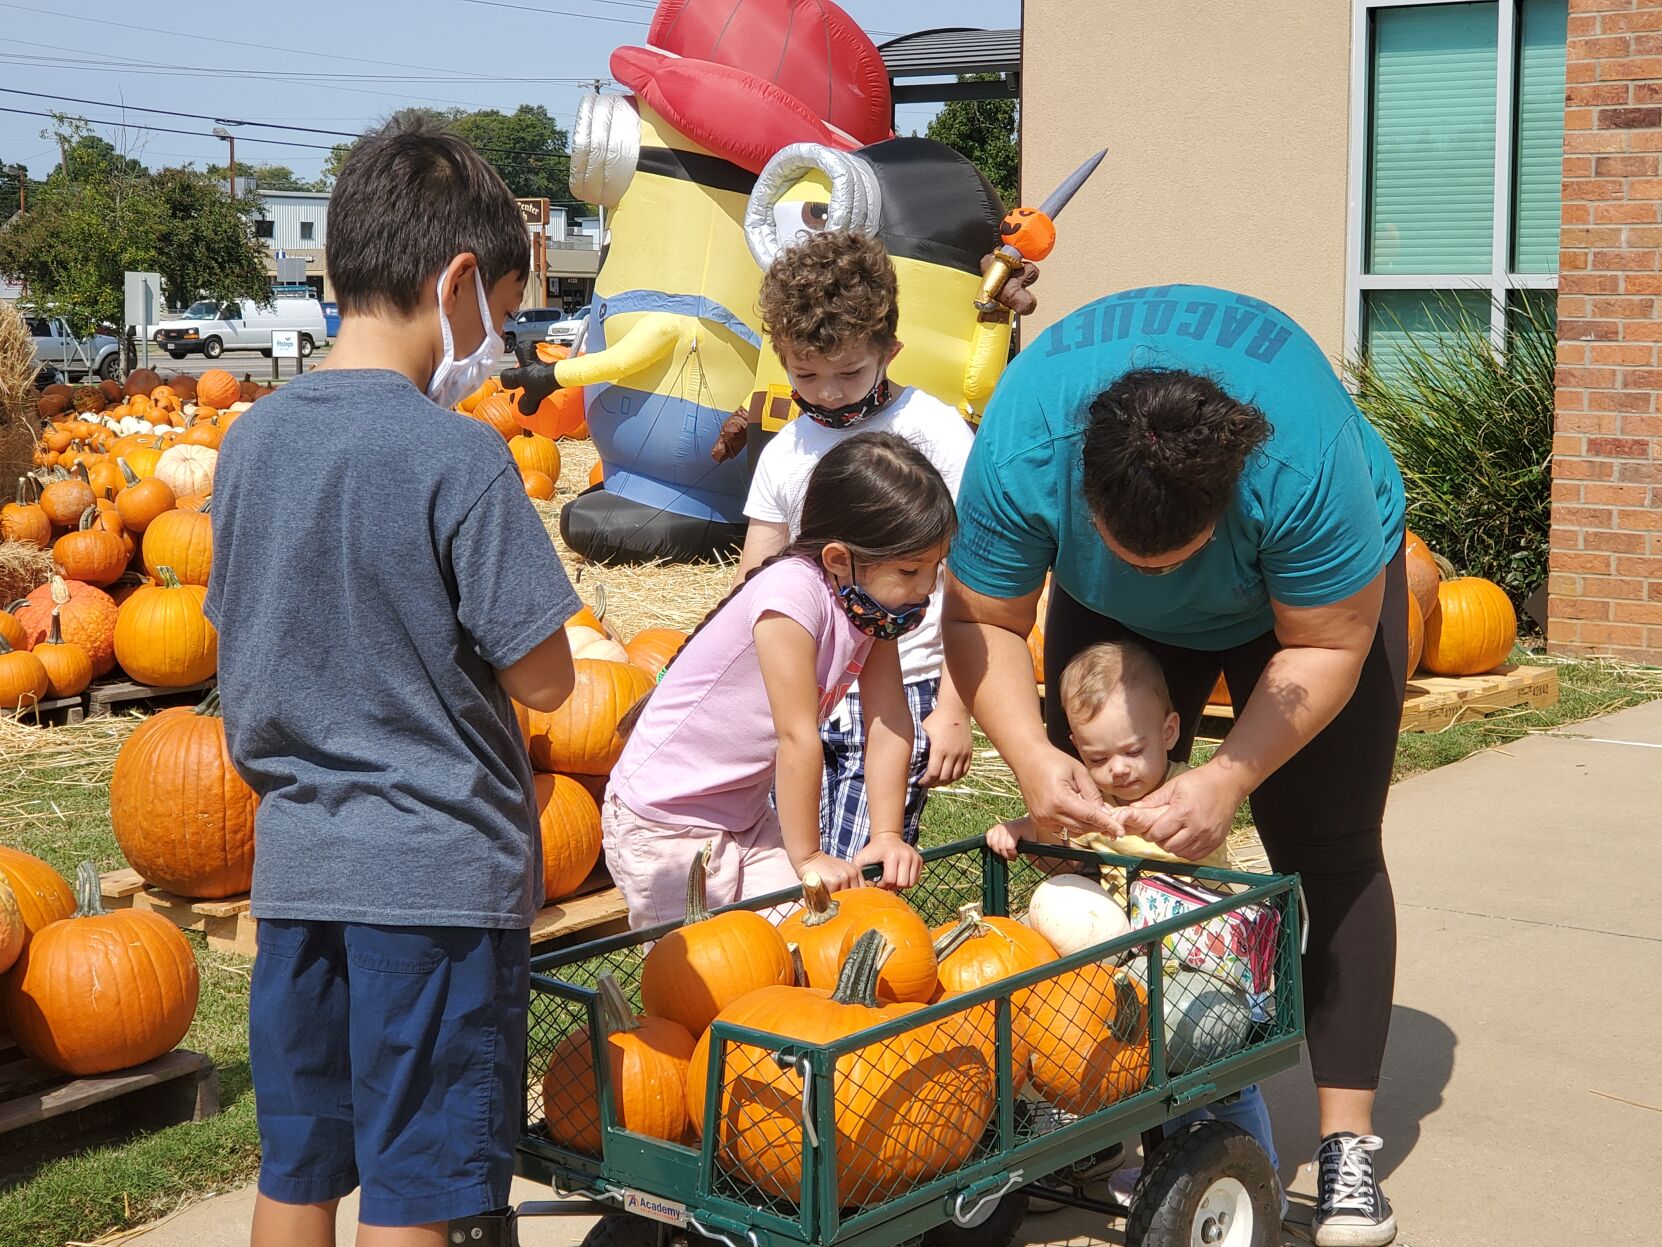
(308, 231)
(1500, 280)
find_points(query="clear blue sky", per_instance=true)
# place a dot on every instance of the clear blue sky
(195, 59)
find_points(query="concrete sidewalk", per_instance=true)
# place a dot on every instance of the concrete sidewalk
(1522, 1096)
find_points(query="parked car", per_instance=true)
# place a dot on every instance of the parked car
(60, 353)
(246, 325)
(528, 322)
(568, 329)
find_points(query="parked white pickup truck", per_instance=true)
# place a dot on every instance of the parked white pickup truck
(214, 328)
(61, 352)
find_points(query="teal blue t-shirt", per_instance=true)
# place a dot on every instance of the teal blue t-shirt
(1317, 512)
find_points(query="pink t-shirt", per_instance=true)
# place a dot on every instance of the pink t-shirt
(704, 751)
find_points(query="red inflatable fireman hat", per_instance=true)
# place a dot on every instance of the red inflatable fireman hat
(745, 78)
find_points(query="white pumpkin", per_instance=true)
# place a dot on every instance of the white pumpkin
(187, 469)
(1074, 913)
(128, 425)
(579, 636)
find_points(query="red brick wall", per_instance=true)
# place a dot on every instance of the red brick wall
(1605, 591)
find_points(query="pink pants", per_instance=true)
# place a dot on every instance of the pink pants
(650, 861)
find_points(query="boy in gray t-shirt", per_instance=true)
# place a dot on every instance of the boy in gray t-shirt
(382, 587)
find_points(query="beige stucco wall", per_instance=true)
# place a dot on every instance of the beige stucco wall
(1227, 127)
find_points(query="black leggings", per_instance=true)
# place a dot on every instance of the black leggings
(1319, 815)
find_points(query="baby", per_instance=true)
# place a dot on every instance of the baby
(1122, 723)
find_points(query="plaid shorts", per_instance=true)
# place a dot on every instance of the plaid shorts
(844, 820)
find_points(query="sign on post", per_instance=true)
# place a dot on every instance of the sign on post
(142, 306)
(285, 344)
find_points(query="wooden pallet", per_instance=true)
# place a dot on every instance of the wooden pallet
(53, 713)
(103, 696)
(181, 1086)
(596, 908)
(1437, 702)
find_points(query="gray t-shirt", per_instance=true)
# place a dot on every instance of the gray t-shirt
(375, 561)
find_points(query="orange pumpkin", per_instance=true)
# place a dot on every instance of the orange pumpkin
(1416, 636)
(646, 1064)
(12, 930)
(11, 631)
(143, 459)
(218, 388)
(142, 500)
(905, 1111)
(91, 553)
(704, 965)
(497, 410)
(1423, 573)
(1219, 696)
(68, 669)
(570, 826)
(597, 473)
(1036, 638)
(975, 951)
(1087, 1035)
(1472, 630)
(538, 485)
(908, 973)
(25, 519)
(180, 812)
(581, 737)
(106, 479)
(162, 638)
(532, 452)
(65, 500)
(88, 615)
(651, 649)
(98, 992)
(23, 679)
(40, 892)
(182, 540)
(822, 928)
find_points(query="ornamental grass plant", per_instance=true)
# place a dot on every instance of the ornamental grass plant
(1471, 429)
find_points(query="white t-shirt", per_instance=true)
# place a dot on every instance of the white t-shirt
(781, 481)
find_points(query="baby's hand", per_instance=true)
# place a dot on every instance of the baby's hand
(1002, 838)
(902, 864)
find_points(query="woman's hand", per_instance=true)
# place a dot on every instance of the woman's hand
(1189, 816)
(902, 864)
(1061, 796)
(950, 746)
(835, 873)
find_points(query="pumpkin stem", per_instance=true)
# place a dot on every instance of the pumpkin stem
(60, 590)
(857, 984)
(5, 646)
(89, 517)
(170, 578)
(88, 892)
(209, 706)
(130, 476)
(207, 505)
(969, 926)
(55, 636)
(1445, 569)
(615, 1013)
(799, 971)
(80, 470)
(822, 907)
(698, 906)
(600, 602)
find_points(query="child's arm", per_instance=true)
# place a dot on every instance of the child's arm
(762, 540)
(951, 746)
(889, 737)
(543, 679)
(786, 652)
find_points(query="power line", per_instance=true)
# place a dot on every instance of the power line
(280, 75)
(526, 8)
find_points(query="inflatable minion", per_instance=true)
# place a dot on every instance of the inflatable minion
(674, 341)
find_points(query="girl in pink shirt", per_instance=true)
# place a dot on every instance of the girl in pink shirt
(737, 715)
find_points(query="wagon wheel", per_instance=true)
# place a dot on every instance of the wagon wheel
(1209, 1186)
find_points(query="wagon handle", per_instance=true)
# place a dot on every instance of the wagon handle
(799, 1062)
(967, 1219)
(749, 1240)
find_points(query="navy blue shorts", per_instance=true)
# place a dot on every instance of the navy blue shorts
(391, 1059)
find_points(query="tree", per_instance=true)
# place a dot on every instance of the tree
(89, 223)
(527, 147)
(983, 132)
(268, 177)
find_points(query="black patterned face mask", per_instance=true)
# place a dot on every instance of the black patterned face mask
(853, 413)
(876, 620)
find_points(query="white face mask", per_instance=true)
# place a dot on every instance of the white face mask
(454, 379)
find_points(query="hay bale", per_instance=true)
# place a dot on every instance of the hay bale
(650, 595)
(18, 428)
(22, 567)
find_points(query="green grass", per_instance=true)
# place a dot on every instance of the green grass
(55, 803)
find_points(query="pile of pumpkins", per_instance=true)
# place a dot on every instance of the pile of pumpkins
(573, 749)
(533, 440)
(907, 1109)
(85, 991)
(120, 495)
